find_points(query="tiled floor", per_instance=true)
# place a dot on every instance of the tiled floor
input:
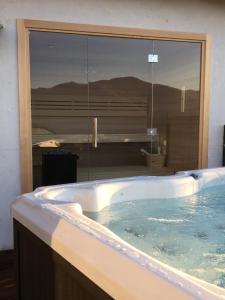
(7, 281)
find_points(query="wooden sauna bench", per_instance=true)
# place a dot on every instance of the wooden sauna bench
(83, 138)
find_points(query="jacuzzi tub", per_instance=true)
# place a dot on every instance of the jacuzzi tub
(55, 215)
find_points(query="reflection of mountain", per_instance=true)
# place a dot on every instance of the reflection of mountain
(121, 87)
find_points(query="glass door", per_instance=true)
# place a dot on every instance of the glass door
(59, 108)
(144, 98)
(119, 77)
(109, 107)
(176, 104)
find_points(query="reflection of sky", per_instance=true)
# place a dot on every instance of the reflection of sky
(59, 57)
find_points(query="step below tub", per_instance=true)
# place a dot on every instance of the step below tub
(62, 254)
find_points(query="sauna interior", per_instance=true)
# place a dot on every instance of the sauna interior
(119, 106)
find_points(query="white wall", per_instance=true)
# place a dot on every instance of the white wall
(180, 15)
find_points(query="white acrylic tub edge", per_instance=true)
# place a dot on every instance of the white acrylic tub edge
(94, 196)
(177, 285)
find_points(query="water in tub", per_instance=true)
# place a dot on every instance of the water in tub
(187, 233)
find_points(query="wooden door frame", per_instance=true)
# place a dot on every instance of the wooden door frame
(24, 26)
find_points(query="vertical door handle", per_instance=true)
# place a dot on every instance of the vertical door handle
(95, 132)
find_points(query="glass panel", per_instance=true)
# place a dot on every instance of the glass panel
(176, 104)
(119, 78)
(59, 99)
(143, 95)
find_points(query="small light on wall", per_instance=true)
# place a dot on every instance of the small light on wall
(153, 58)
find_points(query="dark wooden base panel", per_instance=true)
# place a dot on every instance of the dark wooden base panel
(42, 274)
(7, 276)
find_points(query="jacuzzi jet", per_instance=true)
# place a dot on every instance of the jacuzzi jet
(195, 176)
(135, 232)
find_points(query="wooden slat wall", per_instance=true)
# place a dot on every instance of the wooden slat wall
(67, 105)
